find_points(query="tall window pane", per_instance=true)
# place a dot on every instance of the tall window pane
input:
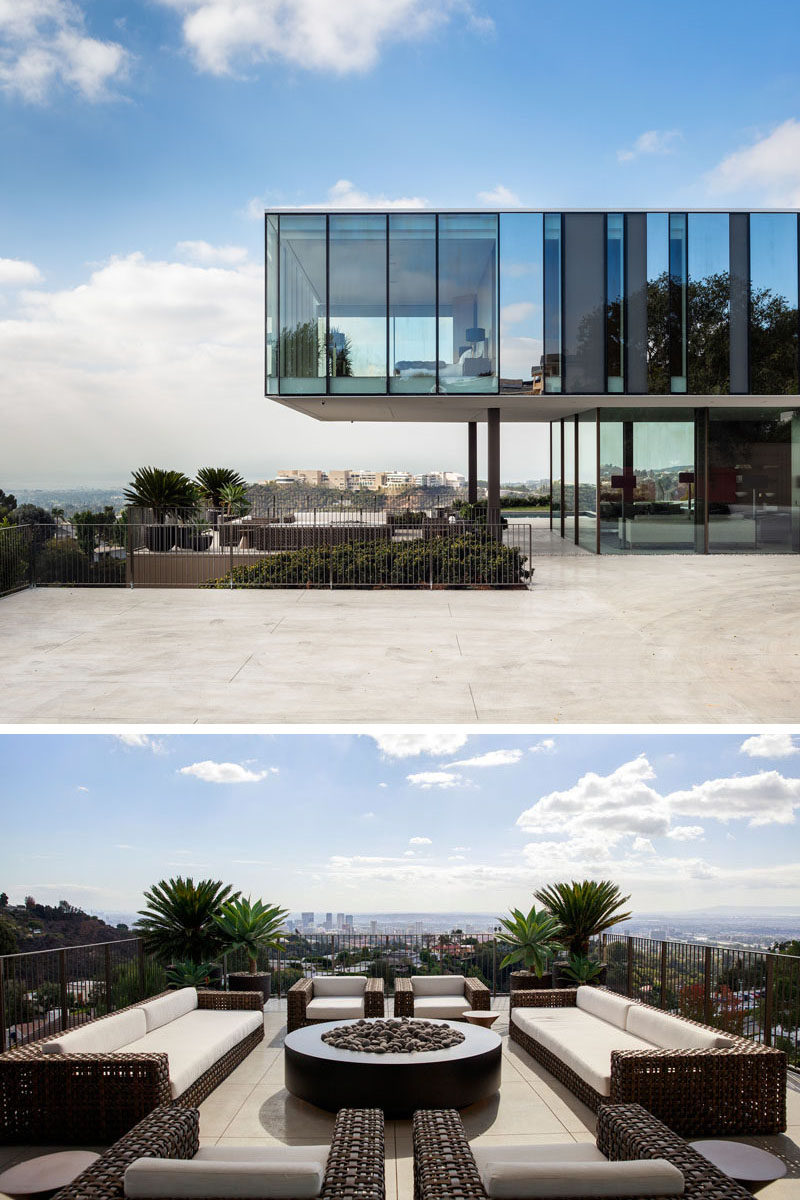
(521, 343)
(708, 358)
(583, 347)
(552, 302)
(677, 301)
(658, 363)
(611, 512)
(271, 318)
(412, 303)
(357, 322)
(301, 357)
(750, 453)
(468, 302)
(663, 483)
(773, 304)
(569, 478)
(555, 476)
(615, 308)
(587, 480)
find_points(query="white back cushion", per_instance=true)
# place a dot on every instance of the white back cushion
(177, 1177)
(339, 985)
(671, 1033)
(642, 1177)
(169, 1008)
(100, 1037)
(438, 985)
(604, 1005)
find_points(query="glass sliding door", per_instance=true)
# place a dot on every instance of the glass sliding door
(412, 303)
(303, 267)
(556, 480)
(663, 491)
(468, 288)
(658, 305)
(357, 329)
(709, 299)
(610, 510)
(521, 334)
(271, 310)
(586, 507)
(615, 302)
(751, 482)
(552, 302)
(569, 478)
(773, 304)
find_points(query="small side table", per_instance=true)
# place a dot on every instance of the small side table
(485, 1017)
(746, 1164)
(46, 1172)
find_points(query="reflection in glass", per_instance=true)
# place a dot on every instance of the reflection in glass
(468, 288)
(303, 252)
(271, 319)
(555, 476)
(615, 293)
(658, 361)
(587, 480)
(552, 302)
(708, 355)
(610, 512)
(568, 527)
(583, 347)
(773, 304)
(521, 341)
(750, 481)
(357, 303)
(677, 301)
(412, 303)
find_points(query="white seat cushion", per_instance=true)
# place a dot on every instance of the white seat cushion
(335, 1008)
(339, 985)
(485, 1153)
(437, 985)
(225, 1177)
(671, 1033)
(264, 1154)
(641, 1177)
(169, 1008)
(605, 1005)
(448, 1008)
(100, 1037)
(579, 1040)
(195, 1041)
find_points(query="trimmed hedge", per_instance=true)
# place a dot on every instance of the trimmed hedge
(464, 560)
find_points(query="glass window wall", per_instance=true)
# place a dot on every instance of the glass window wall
(611, 511)
(303, 264)
(412, 303)
(271, 304)
(750, 486)
(615, 302)
(709, 292)
(357, 303)
(773, 304)
(677, 301)
(555, 476)
(521, 337)
(663, 493)
(584, 254)
(587, 480)
(552, 302)
(568, 527)
(658, 357)
(468, 289)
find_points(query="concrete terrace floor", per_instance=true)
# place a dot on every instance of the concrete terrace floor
(252, 1107)
(656, 639)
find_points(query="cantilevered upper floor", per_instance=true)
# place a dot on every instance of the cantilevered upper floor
(440, 316)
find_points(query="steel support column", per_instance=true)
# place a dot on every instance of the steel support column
(493, 474)
(472, 462)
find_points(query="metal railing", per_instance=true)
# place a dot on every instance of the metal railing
(15, 558)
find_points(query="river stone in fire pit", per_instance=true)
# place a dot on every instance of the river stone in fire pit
(403, 1036)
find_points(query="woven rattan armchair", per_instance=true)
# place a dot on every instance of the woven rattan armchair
(300, 995)
(444, 1168)
(80, 1099)
(354, 1171)
(720, 1092)
(476, 995)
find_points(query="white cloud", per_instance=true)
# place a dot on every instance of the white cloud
(653, 141)
(140, 741)
(500, 196)
(492, 758)
(383, 785)
(545, 746)
(44, 48)
(81, 788)
(367, 816)
(769, 745)
(206, 254)
(768, 169)
(315, 35)
(643, 846)
(437, 779)
(14, 272)
(455, 858)
(343, 194)
(512, 314)
(420, 841)
(436, 743)
(765, 799)
(224, 772)
(686, 833)
(461, 849)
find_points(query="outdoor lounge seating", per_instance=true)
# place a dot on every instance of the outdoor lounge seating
(635, 1154)
(608, 1048)
(443, 997)
(92, 1083)
(333, 998)
(163, 1153)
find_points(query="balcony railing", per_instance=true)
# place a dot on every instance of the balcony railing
(751, 993)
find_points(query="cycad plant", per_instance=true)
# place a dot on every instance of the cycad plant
(534, 939)
(162, 491)
(580, 969)
(250, 926)
(583, 910)
(178, 925)
(233, 496)
(211, 480)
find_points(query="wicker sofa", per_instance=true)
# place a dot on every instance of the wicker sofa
(354, 1169)
(446, 1169)
(607, 1048)
(442, 997)
(333, 998)
(93, 1083)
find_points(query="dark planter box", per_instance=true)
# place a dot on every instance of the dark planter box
(243, 981)
(526, 981)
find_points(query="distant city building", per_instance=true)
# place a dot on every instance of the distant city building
(308, 918)
(329, 920)
(373, 926)
(313, 478)
(340, 920)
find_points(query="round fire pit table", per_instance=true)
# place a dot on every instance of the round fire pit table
(398, 1083)
(747, 1164)
(46, 1172)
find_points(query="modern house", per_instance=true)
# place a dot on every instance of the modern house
(661, 348)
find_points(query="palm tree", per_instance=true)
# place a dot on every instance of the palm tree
(583, 910)
(234, 497)
(211, 480)
(251, 926)
(178, 922)
(161, 490)
(533, 938)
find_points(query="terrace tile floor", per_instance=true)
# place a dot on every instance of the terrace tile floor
(659, 639)
(252, 1107)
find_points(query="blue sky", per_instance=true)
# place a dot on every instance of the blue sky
(141, 139)
(403, 821)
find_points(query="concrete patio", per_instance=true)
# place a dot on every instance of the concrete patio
(657, 640)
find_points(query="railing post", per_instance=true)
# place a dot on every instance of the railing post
(3, 1023)
(128, 552)
(494, 967)
(604, 947)
(629, 967)
(663, 975)
(708, 1012)
(140, 958)
(62, 989)
(107, 969)
(769, 1000)
(230, 531)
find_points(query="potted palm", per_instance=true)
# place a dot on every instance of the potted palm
(534, 939)
(584, 910)
(250, 926)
